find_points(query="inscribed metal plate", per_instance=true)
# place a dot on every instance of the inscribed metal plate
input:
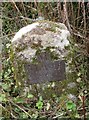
(45, 70)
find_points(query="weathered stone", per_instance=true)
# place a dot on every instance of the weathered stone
(42, 37)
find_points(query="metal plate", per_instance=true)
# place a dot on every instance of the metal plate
(46, 70)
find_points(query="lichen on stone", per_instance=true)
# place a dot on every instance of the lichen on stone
(41, 35)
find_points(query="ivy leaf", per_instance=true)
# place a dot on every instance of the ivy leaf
(71, 106)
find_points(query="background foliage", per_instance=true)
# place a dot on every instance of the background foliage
(31, 104)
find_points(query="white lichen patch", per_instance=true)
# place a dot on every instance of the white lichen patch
(41, 35)
(27, 54)
(55, 39)
(24, 30)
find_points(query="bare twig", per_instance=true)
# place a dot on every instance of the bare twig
(66, 15)
(73, 16)
(84, 16)
(20, 108)
(24, 8)
(77, 33)
(18, 10)
(83, 99)
(78, 16)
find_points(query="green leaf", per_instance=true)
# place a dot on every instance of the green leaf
(23, 115)
(39, 104)
(5, 86)
(2, 97)
(30, 96)
(19, 100)
(70, 105)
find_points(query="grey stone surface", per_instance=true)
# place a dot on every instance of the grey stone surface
(41, 35)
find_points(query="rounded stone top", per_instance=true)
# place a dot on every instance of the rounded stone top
(41, 35)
